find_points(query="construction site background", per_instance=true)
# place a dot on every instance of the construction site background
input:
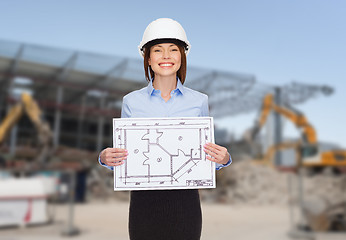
(57, 104)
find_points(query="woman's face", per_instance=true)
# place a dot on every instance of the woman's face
(165, 59)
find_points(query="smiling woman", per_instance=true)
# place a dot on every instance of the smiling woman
(165, 59)
(164, 62)
(165, 214)
(160, 49)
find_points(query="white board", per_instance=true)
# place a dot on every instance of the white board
(164, 153)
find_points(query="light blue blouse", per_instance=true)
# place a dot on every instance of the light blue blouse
(184, 102)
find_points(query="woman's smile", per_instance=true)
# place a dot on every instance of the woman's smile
(166, 64)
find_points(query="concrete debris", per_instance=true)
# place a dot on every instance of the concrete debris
(66, 154)
(246, 182)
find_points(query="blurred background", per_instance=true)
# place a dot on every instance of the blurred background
(275, 75)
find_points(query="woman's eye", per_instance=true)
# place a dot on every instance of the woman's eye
(157, 50)
(174, 49)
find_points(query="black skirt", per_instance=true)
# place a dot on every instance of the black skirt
(165, 215)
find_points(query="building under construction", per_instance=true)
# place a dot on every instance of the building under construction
(80, 92)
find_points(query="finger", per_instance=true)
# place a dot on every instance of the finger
(114, 160)
(117, 155)
(212, 154)
(214, 146)
(212, 159)
(120, 149)
(218, 147)
(116, 163)
(119, 159)
(212, 149)
(116, 150)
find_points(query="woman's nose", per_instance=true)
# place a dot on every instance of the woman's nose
(166, 54)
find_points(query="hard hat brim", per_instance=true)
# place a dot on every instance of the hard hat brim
(165, 40)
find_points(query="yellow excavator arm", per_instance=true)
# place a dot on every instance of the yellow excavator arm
(297, 118)
(10, 120)
(307, 146)
(31, 108)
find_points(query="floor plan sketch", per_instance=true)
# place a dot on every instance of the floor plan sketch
(164, 153)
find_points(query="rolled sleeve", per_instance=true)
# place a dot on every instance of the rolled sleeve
(219, 166)
(102, 164)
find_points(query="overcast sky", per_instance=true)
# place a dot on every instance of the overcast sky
(277, 41)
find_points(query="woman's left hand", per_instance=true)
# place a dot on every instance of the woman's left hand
(217, 153)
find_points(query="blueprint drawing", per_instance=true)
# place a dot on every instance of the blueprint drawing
(164, 153)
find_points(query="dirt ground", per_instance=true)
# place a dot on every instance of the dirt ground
(108, 220)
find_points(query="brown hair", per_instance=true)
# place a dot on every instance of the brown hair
(149, 73)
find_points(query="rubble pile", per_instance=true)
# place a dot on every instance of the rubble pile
(330, 188)
(68, 154)
(246, 182)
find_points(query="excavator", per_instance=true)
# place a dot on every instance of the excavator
(28, 105)
(318, 213)
(309, 154)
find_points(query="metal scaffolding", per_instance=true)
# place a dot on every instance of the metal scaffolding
(80, 92)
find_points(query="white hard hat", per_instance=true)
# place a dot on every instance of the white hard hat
(164, 29)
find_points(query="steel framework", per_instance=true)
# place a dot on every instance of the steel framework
(70, 85)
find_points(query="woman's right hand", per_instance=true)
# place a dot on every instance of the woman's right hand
(113, 156)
